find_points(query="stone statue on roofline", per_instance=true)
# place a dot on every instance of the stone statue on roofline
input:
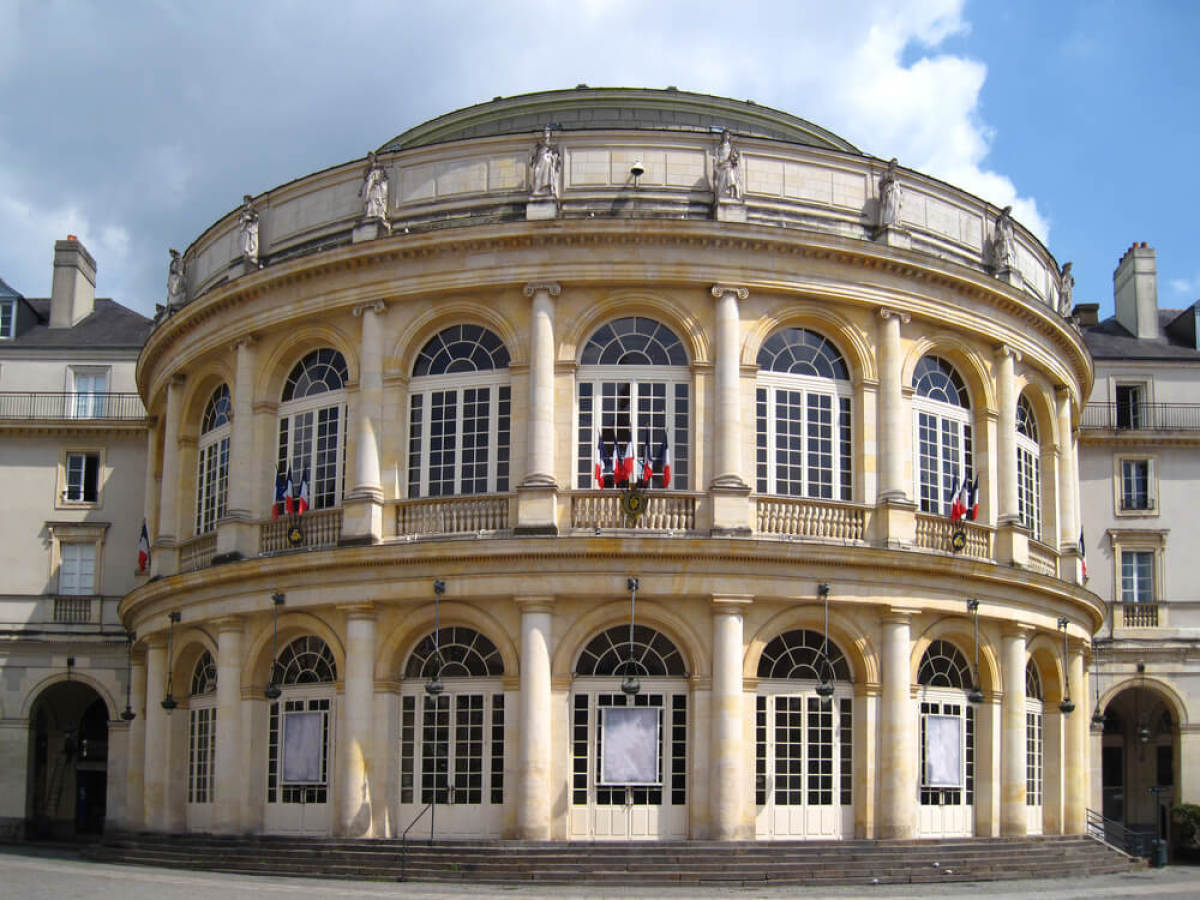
(727, 172)
(374, 192)
(1003, 249)
(1066, 290)
(545, 167)
(891, 198)
(248, 225)
(175, 283)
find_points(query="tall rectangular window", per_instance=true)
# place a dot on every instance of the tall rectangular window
(1137, 576)
(8, 318)
(1136, 484)
(77, 569)
(81, 478)
(644, 414)
(1131, 407)
(459, 441)
(90, 395)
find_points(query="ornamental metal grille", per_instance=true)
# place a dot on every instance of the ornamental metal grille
(633, 341)
(307, 660)
(610, 653)
(320, 371)
(802, 654)
(799, 351)
(464, 653)
(461, 348)
(943, 665)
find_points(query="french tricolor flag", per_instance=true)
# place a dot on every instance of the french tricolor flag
(282, 486)
(143, 549)
(302, 498)
(604, 462)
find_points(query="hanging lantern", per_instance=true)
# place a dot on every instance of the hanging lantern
(273, 690)
(128, 715)
(975, 695)
(825, 688)
(435, 685)
(1067, 706)
(630, 685)
(168, 702)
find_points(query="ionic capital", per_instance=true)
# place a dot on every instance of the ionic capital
(375, 306)
(247, 341)
(720, 290)
(1004, 351)
(553, 288)
(886, 314)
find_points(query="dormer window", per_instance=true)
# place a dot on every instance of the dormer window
(8, 318)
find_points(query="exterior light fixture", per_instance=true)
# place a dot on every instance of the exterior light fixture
(435, 685)
(630, 685)
(128, 715)
(273, 690)
(1067, 706)
(975, 695)
(168, 702)
(1143, 734)
(825, 688)
(1097, 713)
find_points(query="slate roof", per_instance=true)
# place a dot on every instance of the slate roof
(110, 326)
(1110, 340)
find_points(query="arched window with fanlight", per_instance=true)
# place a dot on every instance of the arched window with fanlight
(804, 441)
(202, 736)
(459, 414)
(947, 736)
(804, 738)
(944, 440)
(212, 468)
(452, 739)
(646, 796)
(632, 390)
(300, 737)
(1034, 747)
(312, 426)
(1029, 470)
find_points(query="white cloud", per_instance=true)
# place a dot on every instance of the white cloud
(1186, 288)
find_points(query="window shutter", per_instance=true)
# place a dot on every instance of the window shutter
(1151, 484)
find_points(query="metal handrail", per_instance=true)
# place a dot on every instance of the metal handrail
(1113, 832)
(71, 405)
(404, 840)
(1141, 416)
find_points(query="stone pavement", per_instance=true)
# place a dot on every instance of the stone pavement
(39, 873)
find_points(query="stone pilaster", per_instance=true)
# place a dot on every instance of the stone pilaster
(165, 559)
(237, 536)
(1012, 538)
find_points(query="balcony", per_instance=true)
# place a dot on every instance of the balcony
(796, 517)
(662, 512)
(937, 533)
(1141, 416)
(1140, 615)
(451, 515)
(312, 531)
(71, 406)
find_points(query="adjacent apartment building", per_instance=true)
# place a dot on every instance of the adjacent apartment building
(1139, 474)
(72, 473)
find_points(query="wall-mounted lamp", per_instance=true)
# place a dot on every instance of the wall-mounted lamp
(435, 685)
(273, 690)
(1067, 706)
(129, 715)
(168, 702)
(630, 685)
(975, 695)
(825, 688)
(637, 170)
(1097, 713)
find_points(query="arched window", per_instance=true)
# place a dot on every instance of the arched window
(307, 660)
(803, 435)
(460, 409)
(1029, 470)
(464, 653)
(945, 449)
(802, 654)
(1033, 682)
(947, 735)
(299, 724)
(202, 730)
(633, 398)
(651, 654)
(1034, 741)
(944, 665)
(312, 432)
(212, 469)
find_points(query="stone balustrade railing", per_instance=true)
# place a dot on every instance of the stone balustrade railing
(937, 533)
(198, 552)
(313, 530)
(800, 517)
(1043, 559)
(662, 512)
(1141, 615)
(452, 515)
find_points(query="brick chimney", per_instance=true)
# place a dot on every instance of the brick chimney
(73, 291)
(1135, 291)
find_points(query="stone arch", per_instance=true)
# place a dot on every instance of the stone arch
(1170, 695)
(197, 390)
(843, 631)
(958, 631)
(650, 613)
(275, 366)
(256, 665)
(35, 692)
(970, 363)
(1040, 396)
(399, 358)
(620, 304)
(1045, 653)
(190, 645)
(393, 651)
(849, 339)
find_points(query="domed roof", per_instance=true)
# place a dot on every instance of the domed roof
(585, 108)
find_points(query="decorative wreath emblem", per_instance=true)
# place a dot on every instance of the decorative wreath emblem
(295, 535)
(958, 540)
(633, 504)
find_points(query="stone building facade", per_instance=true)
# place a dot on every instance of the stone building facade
(451, 349)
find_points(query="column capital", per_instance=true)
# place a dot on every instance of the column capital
(553, 288)
(357, 610)
(536, 604)
(246, 340)
(1004, 351)
(885, 313)
(177, 380)
(720, 290)
(1015, 630)
(730, 604)
(374, 306)
(229, 624)
(897, 615)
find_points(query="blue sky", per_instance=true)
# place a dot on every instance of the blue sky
(137, 124)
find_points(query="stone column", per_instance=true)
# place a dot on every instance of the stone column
(1068, 512)
(537, 493)
(236, 535)
(1013, 817)
(165, 560)
(135, 786)
(730, 493)
(151, 499)
(355, 747)
(362, 521)
(897, 731)
(534, 789)
(1076, 727)
(727, 805)
(894, 520)
(1012, 539)
(230, 780)
(157, 738)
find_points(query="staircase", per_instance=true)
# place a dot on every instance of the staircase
(641, 863)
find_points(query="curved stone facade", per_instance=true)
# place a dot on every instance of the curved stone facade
(810, 358)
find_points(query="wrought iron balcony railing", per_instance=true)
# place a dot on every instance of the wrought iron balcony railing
(68, 405)
(1142, 416)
